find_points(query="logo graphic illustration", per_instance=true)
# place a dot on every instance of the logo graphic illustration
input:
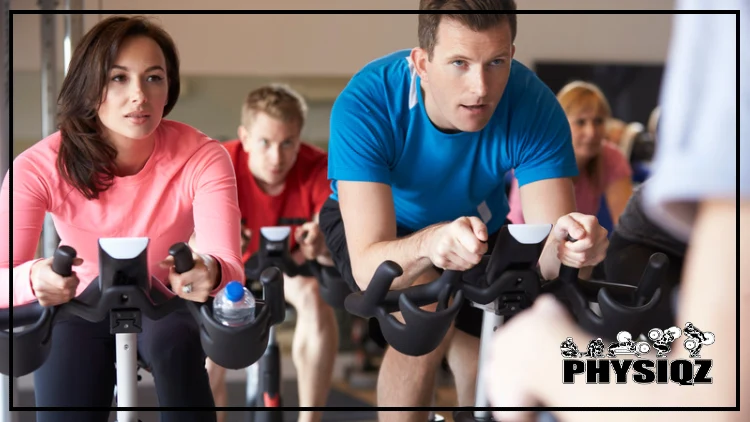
(595, 349)
(568, 349)
(696, 339)
(662, 339)
(626, 346)
(600, 367)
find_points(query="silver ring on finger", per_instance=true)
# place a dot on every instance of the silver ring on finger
(188, 288)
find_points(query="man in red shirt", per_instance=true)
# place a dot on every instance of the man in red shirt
(282, 181)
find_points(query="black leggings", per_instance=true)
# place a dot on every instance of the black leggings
(80, 369)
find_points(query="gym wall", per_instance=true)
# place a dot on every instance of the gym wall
(224, 56)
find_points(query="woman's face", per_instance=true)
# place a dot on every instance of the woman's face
(587, 128)
(136, 92)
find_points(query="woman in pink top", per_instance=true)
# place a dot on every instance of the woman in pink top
(117, 169)
(603, 170)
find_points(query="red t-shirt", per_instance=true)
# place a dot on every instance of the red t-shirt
(307, 188)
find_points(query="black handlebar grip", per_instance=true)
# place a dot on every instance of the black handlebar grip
(62, 260)
(273, 293)
(380, 284)
(569, 274)
(655, 271)
(183, 257)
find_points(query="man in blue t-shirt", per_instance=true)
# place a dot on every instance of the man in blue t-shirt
(420, 142)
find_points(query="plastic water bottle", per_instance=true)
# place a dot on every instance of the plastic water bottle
(234, 305)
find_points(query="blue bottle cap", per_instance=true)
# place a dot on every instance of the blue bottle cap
(234, 291)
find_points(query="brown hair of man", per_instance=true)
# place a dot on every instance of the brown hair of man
(86, 161)
(429, 22)
(276, 100)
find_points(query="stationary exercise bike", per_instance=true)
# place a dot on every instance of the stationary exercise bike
(502, 285)
(123, 292)
(264, 377)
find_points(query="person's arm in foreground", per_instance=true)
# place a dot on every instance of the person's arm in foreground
(531, 379)
(704, 214)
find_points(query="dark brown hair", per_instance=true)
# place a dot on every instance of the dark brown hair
(428, 23)
(86, 160)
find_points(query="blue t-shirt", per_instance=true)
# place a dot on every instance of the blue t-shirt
(380, 132)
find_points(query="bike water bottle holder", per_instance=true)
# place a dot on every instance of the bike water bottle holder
(32, 346)
(221, 342)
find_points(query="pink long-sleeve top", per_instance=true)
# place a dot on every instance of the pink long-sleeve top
(187, 184)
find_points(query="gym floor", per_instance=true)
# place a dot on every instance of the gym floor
(348, 390)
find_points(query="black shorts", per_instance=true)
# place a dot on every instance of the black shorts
(468, 319)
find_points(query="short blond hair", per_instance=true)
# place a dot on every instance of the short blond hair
(279, 101)
(579, 95)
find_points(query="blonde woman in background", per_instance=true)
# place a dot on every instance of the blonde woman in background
(602, 168)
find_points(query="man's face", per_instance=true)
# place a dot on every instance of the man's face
(273, 146)
(466, 78)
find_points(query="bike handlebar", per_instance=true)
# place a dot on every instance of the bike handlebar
(622, 307)
(509, 279)
(94, 303)
(274, 251)
(124, 285)
(62, 261)
(423, 331)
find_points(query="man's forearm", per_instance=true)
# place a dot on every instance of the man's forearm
(408, 252)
